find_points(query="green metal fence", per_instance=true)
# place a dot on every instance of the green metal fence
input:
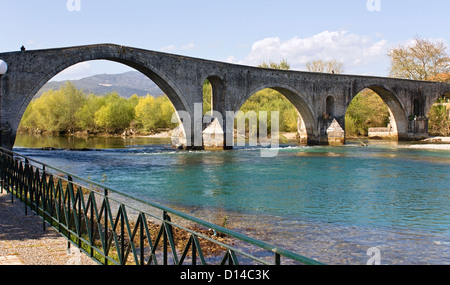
(115, 228)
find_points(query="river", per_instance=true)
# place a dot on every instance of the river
(333, 204)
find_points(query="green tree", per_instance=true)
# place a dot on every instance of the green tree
(154, 113)
(133, 100)
(366, 110)
(439, 121)
(55, 111)
(28, 122)
(86, 114)
(207, 97)
(116, 115)
(283, 65)
(68, 109)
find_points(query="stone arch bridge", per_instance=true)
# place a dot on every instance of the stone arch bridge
(181, 78)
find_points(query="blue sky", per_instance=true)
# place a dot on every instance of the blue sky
(244, 32)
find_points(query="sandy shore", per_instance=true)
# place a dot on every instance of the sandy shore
(435, 143)
(431, 146)
(438, 139)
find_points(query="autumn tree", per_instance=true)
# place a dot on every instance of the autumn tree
(325, 66)
(420, 60)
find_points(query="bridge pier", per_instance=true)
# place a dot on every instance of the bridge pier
(213, 135)
(7, 138)
(417, 129)
(331, 131)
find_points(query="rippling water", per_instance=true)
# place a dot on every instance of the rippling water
(328, 203)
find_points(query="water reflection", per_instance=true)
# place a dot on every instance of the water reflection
(85, 142)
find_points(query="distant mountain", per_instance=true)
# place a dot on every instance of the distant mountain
(126, 84)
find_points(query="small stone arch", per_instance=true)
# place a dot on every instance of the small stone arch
(399, 117)
(308, 128)
(218, 93)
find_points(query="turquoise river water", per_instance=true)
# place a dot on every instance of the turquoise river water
(332, 204)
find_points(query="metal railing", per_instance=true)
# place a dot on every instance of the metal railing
(115, 228)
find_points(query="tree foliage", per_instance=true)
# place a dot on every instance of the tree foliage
(207, 97)
(69, 110)
(439, 120)
(421, 60)
(425, 60)
(115, 115)
(55, 111)
(86, 112)
(283, 65)
(154, 113)
(367, 110)
(325, 66)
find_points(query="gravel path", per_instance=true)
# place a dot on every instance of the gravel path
(24, 242)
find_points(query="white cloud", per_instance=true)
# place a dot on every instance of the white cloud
(231, 59)
(356, 51)
(188, 46)
(169, 48)
(174, 48)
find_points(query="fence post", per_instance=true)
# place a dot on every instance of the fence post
(69, 215)
(44, 202)
(165, 217)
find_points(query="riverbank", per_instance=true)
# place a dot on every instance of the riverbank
(437, 140)
(433, 143)
(431, 146)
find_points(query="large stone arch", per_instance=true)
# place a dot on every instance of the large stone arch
(301, 104)
(61, 59)
(157, 76)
